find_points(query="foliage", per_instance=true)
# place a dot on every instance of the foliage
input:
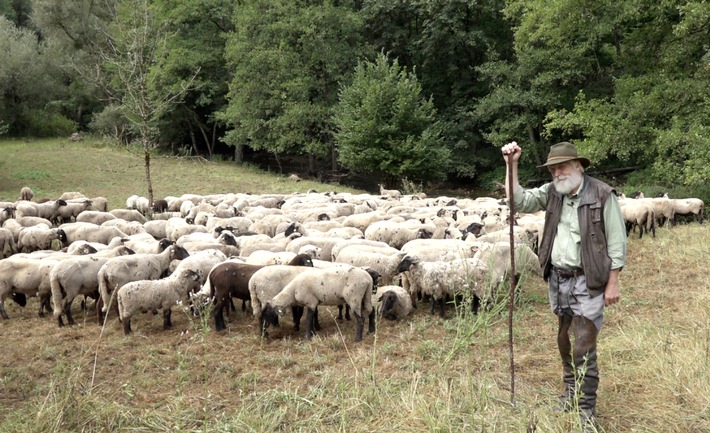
(386, 127)
(112, 121)
(287, 60)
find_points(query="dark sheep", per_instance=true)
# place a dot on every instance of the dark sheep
(160, 206)
(231, 280)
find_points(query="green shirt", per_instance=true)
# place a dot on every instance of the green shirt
(566, 249)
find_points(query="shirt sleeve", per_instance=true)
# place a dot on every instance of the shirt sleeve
(615, 233)
(530, 200)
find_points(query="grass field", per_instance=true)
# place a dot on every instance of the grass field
(423, 374)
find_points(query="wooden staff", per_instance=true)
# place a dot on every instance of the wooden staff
(511, 220)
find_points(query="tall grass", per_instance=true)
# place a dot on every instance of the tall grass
(417, 375)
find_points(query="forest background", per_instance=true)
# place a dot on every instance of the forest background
(421, 91)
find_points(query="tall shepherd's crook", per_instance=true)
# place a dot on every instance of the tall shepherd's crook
(511, 220)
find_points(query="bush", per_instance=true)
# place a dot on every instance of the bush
(112, 121)
(43, 123)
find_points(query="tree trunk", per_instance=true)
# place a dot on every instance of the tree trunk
(239, 153)
(334, 158)
(311, 164)
(278, 162)
(205, 137)
(534, 140)
(193, 139)
(148, 180)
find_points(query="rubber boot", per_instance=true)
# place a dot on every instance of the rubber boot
(586, 371)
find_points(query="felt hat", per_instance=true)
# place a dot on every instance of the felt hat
(562, 152)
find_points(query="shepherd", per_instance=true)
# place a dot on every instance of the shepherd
(582, 252)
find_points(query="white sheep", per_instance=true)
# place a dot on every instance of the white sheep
(94, 217)
(25, 277)
(332, 286)
(688, 206)
(394, 302)
(26, 193)
(39, 238)
(78, 276)
(389, 193)
(8, 246)
(70, 211)
(267, 283)
(128, 215)
(149, 295)
(641, 214)
(383, 261)
(394, 234)
(121, 270)
(444, 280)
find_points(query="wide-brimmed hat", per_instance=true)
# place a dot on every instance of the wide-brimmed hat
(562, 152)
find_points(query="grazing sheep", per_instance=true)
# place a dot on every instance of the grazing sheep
(149, 295)
(160, 206)
(78, 276)
(26, 193)
(267, 283)
(70, 211)
(687, 207)
(39, 238)
(444, 280)
(91, 233)
(231, 280)
(331, 286)
(128, 227)
(25, 277)
(394, 302)
(383, 261)
(639, 214)
(95, 217)
(128, 215)
(121, 270)
(8, 246)
(395, 235)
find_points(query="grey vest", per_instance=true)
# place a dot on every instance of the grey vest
(595, 259)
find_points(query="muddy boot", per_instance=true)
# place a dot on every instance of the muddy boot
(587, 373)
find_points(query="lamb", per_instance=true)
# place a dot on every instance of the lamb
(394, 303)
(229, 279)
(148, 295)
(39, 238)
(442, 280)
(332, 286)
(121, 270)
(78, 276)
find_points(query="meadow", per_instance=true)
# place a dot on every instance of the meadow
(422, 374)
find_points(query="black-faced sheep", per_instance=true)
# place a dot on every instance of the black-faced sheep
(121, 270)
(231, 280)
(394, 302)
(8, 246)
(78, 276)
(332, 286)
(39, 238)
(149, 295)
(70, 211)
(396, 235)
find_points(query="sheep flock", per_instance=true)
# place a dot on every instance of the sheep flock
(372, 255)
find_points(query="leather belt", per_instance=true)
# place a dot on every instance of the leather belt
(568, 273)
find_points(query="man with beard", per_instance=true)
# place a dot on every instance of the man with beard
(582, 251)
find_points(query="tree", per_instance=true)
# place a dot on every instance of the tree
(137, 44)
(287, 60)
(386, 127)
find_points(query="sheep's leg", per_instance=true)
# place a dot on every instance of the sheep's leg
(340, 313)
(167, 324)
(218, 316)
(371, 318)
(360, 325)
(310, 314)
(316, 322)
(476, 304)
(67, 311)
(2, 310)
(99, 313)
(44, 304)
(431, 305)
(297, 313)
(127, 326)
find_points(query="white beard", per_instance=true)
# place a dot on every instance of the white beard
(567, 184)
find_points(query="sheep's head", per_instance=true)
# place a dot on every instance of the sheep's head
(406, 264)
(424, 234)
(388, 300)
(164, 243)
(62, 236)
(178, 253)
(302, 260)
(475, 229)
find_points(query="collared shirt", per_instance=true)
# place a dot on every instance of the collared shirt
(566, 249)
